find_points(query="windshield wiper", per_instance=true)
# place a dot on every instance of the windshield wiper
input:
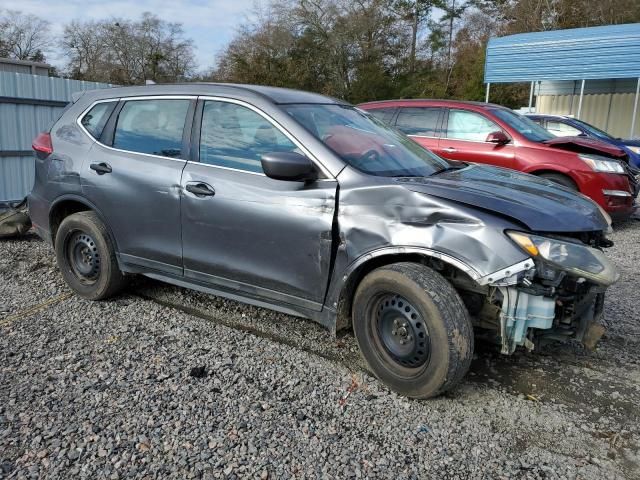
(457, 166)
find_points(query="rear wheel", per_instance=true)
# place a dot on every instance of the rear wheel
(86, 257)
(412, 329)
(560, 179)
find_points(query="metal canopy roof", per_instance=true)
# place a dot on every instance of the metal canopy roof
(611, 51)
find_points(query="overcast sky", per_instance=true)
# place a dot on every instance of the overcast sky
(210, 24)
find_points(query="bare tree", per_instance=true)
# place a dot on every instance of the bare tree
(128, 52)
(85, 50)
(22, 36)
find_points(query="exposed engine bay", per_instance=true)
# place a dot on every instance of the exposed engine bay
(536, 302)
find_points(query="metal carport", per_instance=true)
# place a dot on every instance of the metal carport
(582, 54)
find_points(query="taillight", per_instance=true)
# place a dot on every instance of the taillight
(42, 143)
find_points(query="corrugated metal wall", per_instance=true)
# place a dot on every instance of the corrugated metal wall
(29, 104)
(611, 51)
(609, 111)
(613, 85)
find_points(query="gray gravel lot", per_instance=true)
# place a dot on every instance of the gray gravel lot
(109, 390)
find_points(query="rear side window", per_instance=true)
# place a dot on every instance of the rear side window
(151, 126)
(235, 136)
(471, 126)
(384, 114)
(421, 121)
(95, 119)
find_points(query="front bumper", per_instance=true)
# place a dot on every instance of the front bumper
(615, 193)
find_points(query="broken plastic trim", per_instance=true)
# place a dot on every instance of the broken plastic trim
(508, 275)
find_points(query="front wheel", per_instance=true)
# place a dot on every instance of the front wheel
(412, 329)
(560, 179)
(86, 257)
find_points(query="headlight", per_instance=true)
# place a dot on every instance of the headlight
(601, 164)
(576, 259)
(634, 149)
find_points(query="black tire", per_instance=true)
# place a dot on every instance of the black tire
(87, 258)
(560, 179)
(428, 305)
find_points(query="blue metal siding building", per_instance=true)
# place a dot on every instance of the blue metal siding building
(569, 59)
(611, 51)
(29, 104)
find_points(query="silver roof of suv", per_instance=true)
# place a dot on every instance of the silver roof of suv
(274, 94)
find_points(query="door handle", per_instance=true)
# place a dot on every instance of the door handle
(449, 150)
(201, 189)
(101, 168)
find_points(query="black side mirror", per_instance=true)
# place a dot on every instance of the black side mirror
(499, 138)
(290, 166)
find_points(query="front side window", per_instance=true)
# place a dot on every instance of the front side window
(234, 136)
(364, 142)
(561, 129)
(471, 126)
(151, 126)
(418, 121)
(96, 118)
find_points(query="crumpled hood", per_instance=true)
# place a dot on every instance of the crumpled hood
(541, 205)
(586, 145)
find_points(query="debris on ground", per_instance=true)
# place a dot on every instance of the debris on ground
(15, 220)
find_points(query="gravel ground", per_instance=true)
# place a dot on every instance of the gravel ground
(167, 383)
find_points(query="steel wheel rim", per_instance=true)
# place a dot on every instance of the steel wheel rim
(402, 331)
(83, 256)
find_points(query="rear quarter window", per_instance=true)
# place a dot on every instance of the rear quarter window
(95, 119)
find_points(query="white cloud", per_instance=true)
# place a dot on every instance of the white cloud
(209, 23)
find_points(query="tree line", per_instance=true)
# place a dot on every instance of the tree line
(376, 49)
(354, 49)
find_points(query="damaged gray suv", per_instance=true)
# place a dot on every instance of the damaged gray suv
(306, 205)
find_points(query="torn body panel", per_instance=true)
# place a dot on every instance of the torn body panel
(381, 218)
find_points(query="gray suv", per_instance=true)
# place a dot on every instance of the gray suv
(307, 205)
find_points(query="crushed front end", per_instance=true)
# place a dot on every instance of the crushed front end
(557, 294)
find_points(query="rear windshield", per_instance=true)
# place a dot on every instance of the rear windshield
(593, 130)
(366, 143)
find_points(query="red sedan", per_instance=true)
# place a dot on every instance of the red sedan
(487, 133)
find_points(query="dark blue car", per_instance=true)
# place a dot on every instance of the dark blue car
(563, 126)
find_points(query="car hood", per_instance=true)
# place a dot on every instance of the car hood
(539, 204)
(585, 145)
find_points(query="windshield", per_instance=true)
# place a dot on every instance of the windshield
(366, 143)
(593, 130)
(523, 125)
